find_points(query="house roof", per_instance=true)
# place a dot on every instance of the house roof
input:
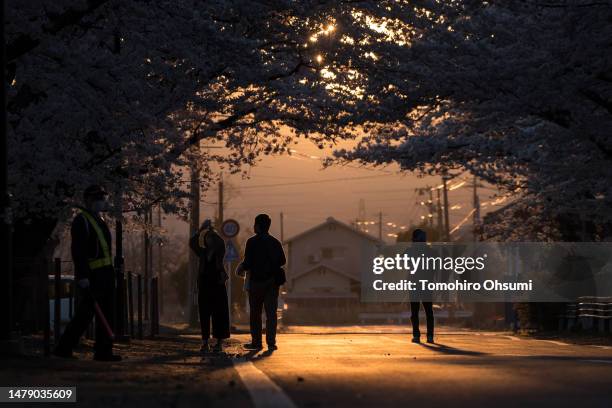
(332, 220)
(324, 265)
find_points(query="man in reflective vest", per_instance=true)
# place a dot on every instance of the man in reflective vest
(94, 276)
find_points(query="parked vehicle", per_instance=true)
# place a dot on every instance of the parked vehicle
(67, 300)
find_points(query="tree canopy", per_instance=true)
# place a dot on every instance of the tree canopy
(518, 93)
(118, 92)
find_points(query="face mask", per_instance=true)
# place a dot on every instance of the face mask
(99, 206)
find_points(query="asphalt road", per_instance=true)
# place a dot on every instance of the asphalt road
(462, 369)
(330, 367)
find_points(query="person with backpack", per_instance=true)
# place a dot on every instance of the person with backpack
(212, 293)
(263, 260)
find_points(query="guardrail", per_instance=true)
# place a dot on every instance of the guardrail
(588, 313)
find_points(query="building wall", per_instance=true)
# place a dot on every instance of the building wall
(334, 245)
(321, 280)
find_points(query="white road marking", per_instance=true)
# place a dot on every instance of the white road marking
(513, 338)
(263, 391)
(558, 343)
(599, 361)
(512, 355)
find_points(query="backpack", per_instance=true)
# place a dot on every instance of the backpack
(275, 272)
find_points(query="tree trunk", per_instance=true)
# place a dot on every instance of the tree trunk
(32, 252)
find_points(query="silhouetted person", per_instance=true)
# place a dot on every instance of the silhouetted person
(263, 259)
(212, 295)
(94, 275)
(418, 235)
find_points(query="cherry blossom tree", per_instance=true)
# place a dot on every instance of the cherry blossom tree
(120, 93)
(518, 93)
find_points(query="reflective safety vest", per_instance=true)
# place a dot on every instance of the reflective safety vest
(105, 260)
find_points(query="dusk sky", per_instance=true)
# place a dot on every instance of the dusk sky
(307, 194)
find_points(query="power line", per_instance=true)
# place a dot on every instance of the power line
(294, 152)
(278, 177)
(312, 182)
(463, 221)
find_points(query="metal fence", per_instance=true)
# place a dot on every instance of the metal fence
(48, 298)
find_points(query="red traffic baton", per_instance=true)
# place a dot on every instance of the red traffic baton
(100, 315)
(103, 320)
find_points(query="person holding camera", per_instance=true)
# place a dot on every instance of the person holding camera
(212, 294)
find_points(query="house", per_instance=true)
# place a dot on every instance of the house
(324, 268)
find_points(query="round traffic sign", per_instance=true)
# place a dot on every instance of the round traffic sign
(230, 228)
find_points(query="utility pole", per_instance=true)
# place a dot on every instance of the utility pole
(476, 201)
(439, 211)
(380, 225)
(147, 260)
(194, 225)
(6, 276)
(430, 206)
(446, 220)
(282, 228)
(151, 243)
(120, 304)
(160, 264)
(220, 203)
(361, 216)
(228, 265)
(445, 178)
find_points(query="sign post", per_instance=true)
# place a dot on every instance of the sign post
(230, 228)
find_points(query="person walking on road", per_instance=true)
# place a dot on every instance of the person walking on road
(263, 260)
(418, 235)
(94, 275)
(212, 294)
